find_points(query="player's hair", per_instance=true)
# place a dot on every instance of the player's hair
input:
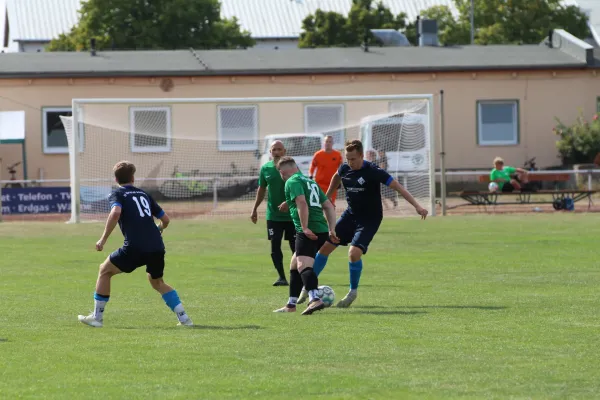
(327, 137)
(283, 161)
(498, 159)
(124, 172)
(355, 144)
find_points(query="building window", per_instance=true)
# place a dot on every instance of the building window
(237, 128)
(150, 129)
(598, 104)
(498, 123)
(54, 133)
(327, 119)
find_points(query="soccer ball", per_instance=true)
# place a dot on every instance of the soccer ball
(326, 294)
(493, 186)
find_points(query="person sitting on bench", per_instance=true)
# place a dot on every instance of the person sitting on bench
(508, 178)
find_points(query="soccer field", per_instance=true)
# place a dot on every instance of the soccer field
(471, 307)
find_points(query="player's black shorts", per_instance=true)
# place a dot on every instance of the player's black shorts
(280, 229)
(508, 188)
(355, 231)
(307, 247)
(128, 260)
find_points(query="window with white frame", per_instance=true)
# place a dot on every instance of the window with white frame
(327, 119)
(150, 129)
(54, 135)
(497, 122)
(237, 128)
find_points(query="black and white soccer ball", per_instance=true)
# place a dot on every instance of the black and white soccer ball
(326, 294)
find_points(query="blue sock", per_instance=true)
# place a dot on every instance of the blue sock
(99, 297)
(355, 270)
(172, 299)
(320, 263)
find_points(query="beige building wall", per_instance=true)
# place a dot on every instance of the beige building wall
(541, 95)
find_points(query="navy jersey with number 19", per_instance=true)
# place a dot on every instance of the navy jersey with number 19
(136, 221)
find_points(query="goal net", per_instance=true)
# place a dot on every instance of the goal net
(201, 157)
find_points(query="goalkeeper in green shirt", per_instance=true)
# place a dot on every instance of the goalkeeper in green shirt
(279, 222)
(307, 203)
(508, 178)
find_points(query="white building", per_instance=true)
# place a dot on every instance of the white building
(29, 25)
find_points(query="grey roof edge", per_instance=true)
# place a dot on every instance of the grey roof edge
(283, 72)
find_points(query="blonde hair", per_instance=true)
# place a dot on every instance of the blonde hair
(498, 160)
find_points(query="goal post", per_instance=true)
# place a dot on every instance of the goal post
(201, 156)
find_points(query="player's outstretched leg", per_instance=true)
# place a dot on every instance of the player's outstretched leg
(295, 287)
(171, 298)
(101, 295)
(318, 266)
(355, 266)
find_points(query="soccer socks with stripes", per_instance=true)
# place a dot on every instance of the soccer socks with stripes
(311, 282)
(99, 304)
(355, 271)
(172, 300)
(320, 263)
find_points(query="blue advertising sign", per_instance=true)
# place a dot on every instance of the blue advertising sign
(42, 200)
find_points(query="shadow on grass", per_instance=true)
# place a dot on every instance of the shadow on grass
(3, 340)
(392, 312)
(488, 308)
(206, 327)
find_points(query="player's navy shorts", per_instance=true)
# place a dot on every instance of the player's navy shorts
(280, 229)
(128, 260)
(355, 231)
(307, 247)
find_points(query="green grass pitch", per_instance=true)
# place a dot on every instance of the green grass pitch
(457, 307)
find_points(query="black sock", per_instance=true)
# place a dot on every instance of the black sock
(295, 283)
(277, 257)
(310, 280)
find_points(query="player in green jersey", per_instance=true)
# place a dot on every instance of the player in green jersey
(279, 221)
(306, 202)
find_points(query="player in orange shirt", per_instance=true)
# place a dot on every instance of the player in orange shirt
(324, 165)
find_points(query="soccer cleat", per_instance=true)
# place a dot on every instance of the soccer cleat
(303, 296)
(281, 282)
(347, 300)
(313, 306)
(90, 320)
(287, 308)
(187, 322)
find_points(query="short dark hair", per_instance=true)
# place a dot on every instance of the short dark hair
(124, 172)
(355, 144)
(283, 161)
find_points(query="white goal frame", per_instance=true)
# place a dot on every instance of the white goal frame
(73, 160)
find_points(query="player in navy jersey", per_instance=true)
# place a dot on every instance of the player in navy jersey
(359, 223)
(134, 210)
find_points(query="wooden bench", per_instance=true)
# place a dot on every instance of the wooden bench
(486, 198)
(533, 177)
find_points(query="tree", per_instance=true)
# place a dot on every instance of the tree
(152, 25)
(331, 29)
(507, 21)
(580, 142)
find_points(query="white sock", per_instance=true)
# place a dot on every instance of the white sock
(180, 312)
(293, 301)
(99, 309)
(313, 295)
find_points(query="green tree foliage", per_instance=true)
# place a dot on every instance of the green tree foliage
(507, 21)
(578, 143)
(330, 29)
(152, 25)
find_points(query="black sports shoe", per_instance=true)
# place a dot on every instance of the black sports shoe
(281, 282)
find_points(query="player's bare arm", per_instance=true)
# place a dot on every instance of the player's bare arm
(303, 214)
(336, 181)
(164, 222)
(283, 207)
(260, 196)
(111, 223)
(408, 197)
(329, 211)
